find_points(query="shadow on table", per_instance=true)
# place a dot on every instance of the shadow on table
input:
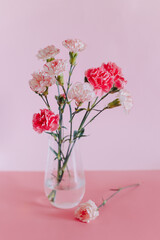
(40, 205)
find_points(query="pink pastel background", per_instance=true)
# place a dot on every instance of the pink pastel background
(124, 31)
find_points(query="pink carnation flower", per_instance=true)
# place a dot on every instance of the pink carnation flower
(87, 211)
(55, 67)
(125, 99)
(116, 73)
(101, 80)
(81, 92)
(112, 68)
(119, 82)
(46, 120)
(40, 81)
(74, 45)
(48, 52)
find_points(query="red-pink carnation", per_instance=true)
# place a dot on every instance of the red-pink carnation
(116, 72)
(55, 67)
(46, 120)
(101, 80)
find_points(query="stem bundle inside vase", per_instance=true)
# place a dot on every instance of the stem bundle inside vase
(82, 99)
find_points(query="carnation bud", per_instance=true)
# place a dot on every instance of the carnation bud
(114, 90)
(60, 99)
(78, 104)
(45, 93)
(115, 103)
(50, 59)
(60, 80)
(73, 57)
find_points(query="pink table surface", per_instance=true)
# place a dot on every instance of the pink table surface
(133, 214)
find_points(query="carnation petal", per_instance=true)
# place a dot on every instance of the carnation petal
(40, 81)
(55, 67)
(116, 72)
(86, 212)
(46, 120)
(74, 45)
(81, 92)
(48, 52)
(125, 99)
(101, 80)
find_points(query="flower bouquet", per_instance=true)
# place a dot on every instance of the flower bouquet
(64, 178)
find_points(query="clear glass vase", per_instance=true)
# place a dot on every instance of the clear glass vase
(64, 178)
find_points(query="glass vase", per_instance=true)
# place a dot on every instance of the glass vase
(64, 177)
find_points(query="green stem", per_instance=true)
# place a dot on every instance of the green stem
(72, 67)
(100, 100)
(84, 118)
(100, 111)
(61, 170)
(69, 151)
(70, 111)
(69, 79)
(76, 111)
(68, 83)
(59, 140)
(117, 191)
(47, 103)
(43, 99)
(80, 127)
(94, 105)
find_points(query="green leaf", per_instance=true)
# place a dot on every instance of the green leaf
(75, 134)
(81, 132)
(63, 127)
(53, 151)
(52, 195)
(65, 137)
(76, 111)
(49, 133)
(80, 109)
(68, 139)
(84, 136)
(52, 134)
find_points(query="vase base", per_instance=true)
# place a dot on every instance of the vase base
(65, 205)
(65, 197)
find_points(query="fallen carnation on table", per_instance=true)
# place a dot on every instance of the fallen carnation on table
(89, 211)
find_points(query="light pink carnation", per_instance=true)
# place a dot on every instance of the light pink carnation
(87, 211)
(40, 81)
(74, 45)
(55, 67)
(46, 120)
(116, 73)
(81, 92)
(101, 80)
(48, 52)
(125, 99)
